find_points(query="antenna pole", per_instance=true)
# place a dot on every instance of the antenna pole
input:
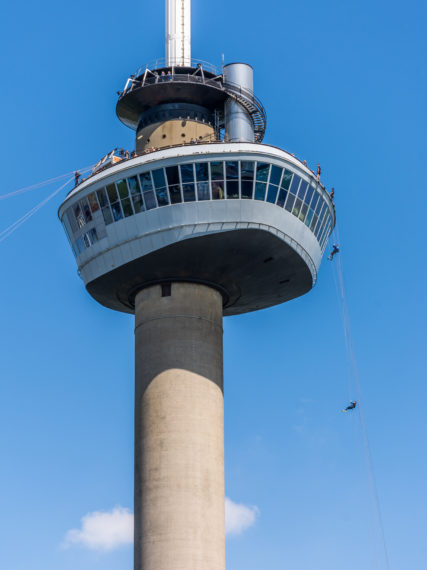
(178, 33)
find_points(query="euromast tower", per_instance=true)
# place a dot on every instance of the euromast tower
(203, 220)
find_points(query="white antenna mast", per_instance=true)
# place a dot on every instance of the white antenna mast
(178, 33)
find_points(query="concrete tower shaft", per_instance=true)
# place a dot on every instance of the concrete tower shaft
(179, 429)
(178, 33)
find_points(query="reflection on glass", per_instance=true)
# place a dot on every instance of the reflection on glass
(217, 171)
(309, 195)
(297, 207)
(302, 189)
(175, 194)
(282, 197)
(112, 193)
(247, 177)
(72, 220)
(86, 210)
(149, 200)
(262, 171)
(145, 179)
(122, 187)
(202, 173)
(187, 173)
(276, 175)
(260, 188)
(203, 191)
(188, 192)
(309, 217)
(159, 178)
(162, 196)
(295, 183)
(272, 193)
(102, 197)
(93, 202)
(303, 212)
(108, 218)
(286, 180)
(117, 211)
(232, 170)
(290, 202)
(138, 205)
(127, 207)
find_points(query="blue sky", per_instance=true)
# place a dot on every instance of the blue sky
(344, 84)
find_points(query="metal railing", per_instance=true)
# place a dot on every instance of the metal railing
(162, 63)
(177, 75)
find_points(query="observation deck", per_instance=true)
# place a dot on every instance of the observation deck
(247, 219)
(199, 83)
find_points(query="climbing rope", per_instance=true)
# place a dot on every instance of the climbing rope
(13, 227)
(354, 385)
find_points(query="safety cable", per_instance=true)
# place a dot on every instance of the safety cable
(40, 184)
(13, 227)
(354, 374)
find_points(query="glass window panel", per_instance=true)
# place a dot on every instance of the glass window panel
(260, 188)
(188, 192)
(314, 222)
(86, 241)
(162, 196)
(86, 210)
(108, 218)
(309, 195)
(302, 189)
(276, 175)
(272, 193)
(122, 187)
(93, 202)
(145, 179)
(217, 171)
(93, 236)
(232, 188)
(112, 193)
(314, 201)
(138, 205)
(102, 197)
(262, 171)
(247, 189)
(232, 171)
(187, 173)
(282, 197)
(202, 174)
(286, 180)
(175, 193)
(134, 186)
(117, 211)
(79, 245)
(203, 191)
(297, 207)
(172, 175)
(303, 212)
(309, 217)
(320, 205)
(247, 170)
(320, 225)
(290, 202)
(217, 190)
(159, 178)
(72, 220)
(127, 207)
(295, 183)
(149, 200)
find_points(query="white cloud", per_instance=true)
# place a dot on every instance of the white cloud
(107, 530)
(103, 530)
(239, 517)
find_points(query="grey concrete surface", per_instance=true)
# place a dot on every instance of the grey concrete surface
(179, 433)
